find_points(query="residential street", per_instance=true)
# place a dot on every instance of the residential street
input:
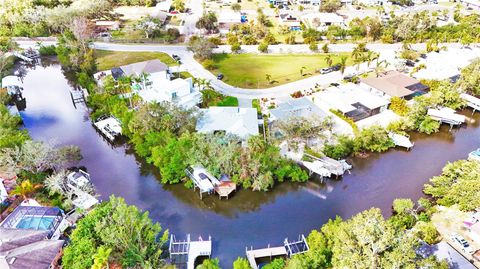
(196, 69)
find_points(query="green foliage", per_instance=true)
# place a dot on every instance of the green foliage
(10, 135)
(277, 263)
(241, 263)
(330, 5)
(134, 240)
(343, 148)
(470, 78)
(374, 138)
(399, 106)
(209, 64)
(458, 184)
(263, 47)
(209, 264)
(427, 232)
(47, 50)
(345, 118)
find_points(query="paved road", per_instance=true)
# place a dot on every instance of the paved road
(196, 69)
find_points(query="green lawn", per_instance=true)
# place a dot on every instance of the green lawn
(108, 59)
(250, 70)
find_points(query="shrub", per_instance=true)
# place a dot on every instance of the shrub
(209, 64)
(236, 47)
(263, 47)
(47, 50)
(343, 148)
(399, 106)
(345, 118)
(374, 138)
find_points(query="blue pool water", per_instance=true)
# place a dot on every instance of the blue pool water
(36, 223)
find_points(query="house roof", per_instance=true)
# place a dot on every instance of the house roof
(299, 107)
(323, 17)
(21, 249)
(149, 67)
(343, 97)
(233, 120)
(393, 83)
(443, 251)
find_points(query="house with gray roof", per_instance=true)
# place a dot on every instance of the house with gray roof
(28, 249)
(295, 108)
(238, 121)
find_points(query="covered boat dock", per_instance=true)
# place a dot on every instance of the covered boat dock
(185, 252)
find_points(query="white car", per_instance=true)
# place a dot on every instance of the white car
(462, 243)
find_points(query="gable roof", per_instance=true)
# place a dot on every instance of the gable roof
(149, 67)
(233, 120)
(393, 83)
(23, 249)
(299, 107)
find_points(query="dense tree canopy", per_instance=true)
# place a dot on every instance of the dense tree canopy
(127, 234)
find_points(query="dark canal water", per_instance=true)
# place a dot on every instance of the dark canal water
(249, 218)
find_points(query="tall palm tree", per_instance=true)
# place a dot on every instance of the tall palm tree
(343, 64)
(268, 77)
(25, 189)
(329, 60)
(301, 70)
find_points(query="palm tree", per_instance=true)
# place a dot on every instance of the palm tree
(329, 60)
(268, 77)
(301, 70)
(343, 64)
(25, 189)
(380, 67)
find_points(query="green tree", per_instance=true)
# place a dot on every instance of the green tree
(209, 264)
(399, 106)
(236, 7)
(330, 5)
(100, 259)
(25, 189)
(263, 47)
(208, 21)
(201, 47)
(325, 48)
(241, 263)
(343, 64)
(179, 5)
(470, 78)
(329, 60)
(374, 138)
(456, 185)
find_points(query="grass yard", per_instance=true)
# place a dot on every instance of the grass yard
(250, 70)
(108, 59)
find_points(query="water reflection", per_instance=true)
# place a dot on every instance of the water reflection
(248, 218)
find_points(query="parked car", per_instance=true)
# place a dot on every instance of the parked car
(462, 243)
(423, 56)
(336, 67)
(326, 70)
(176, 57)
(220, 76)
(410, 63)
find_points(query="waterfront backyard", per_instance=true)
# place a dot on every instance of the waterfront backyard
(263, 71)
(106, 60)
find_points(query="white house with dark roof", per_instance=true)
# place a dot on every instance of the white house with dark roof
(394, 84)
(238, 121)
(322, 20)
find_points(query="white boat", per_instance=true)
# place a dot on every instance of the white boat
(13, 84)
(109, 126)
(474, 155)
(401, 140)
(318, 168)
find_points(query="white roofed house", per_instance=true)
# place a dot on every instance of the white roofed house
(241, 122)
(321, 20)
(227, 18)
(289, 20)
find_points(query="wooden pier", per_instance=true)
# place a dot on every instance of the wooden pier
(78, 97)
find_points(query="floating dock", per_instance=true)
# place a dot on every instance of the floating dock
(472, 101)
(289, 249)
(184, 253)
(446, 115)
(401, 140)
(110, 127)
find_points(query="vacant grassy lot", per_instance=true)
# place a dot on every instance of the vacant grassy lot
(108, 59)
(251, 70)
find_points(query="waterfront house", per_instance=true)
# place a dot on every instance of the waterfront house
(241, 122)
(34, 217)
(28, 249)
(394, 84)
(352, 101)
(443, 251)
(150, 67)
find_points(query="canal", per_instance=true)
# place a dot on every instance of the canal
(248, 218)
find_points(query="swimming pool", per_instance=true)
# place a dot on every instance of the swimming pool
(36, 223)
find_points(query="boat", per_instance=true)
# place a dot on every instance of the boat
(207, 183)
(109, 126)
(401, 140)
(474, 155)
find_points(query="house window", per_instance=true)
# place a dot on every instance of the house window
(174, 95)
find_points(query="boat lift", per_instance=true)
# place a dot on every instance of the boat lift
(289, 249)
(207, 183)
(472, 101)
(326, 167)
(110, 127)
(185, 252)
(446, 115)
(23, 57)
